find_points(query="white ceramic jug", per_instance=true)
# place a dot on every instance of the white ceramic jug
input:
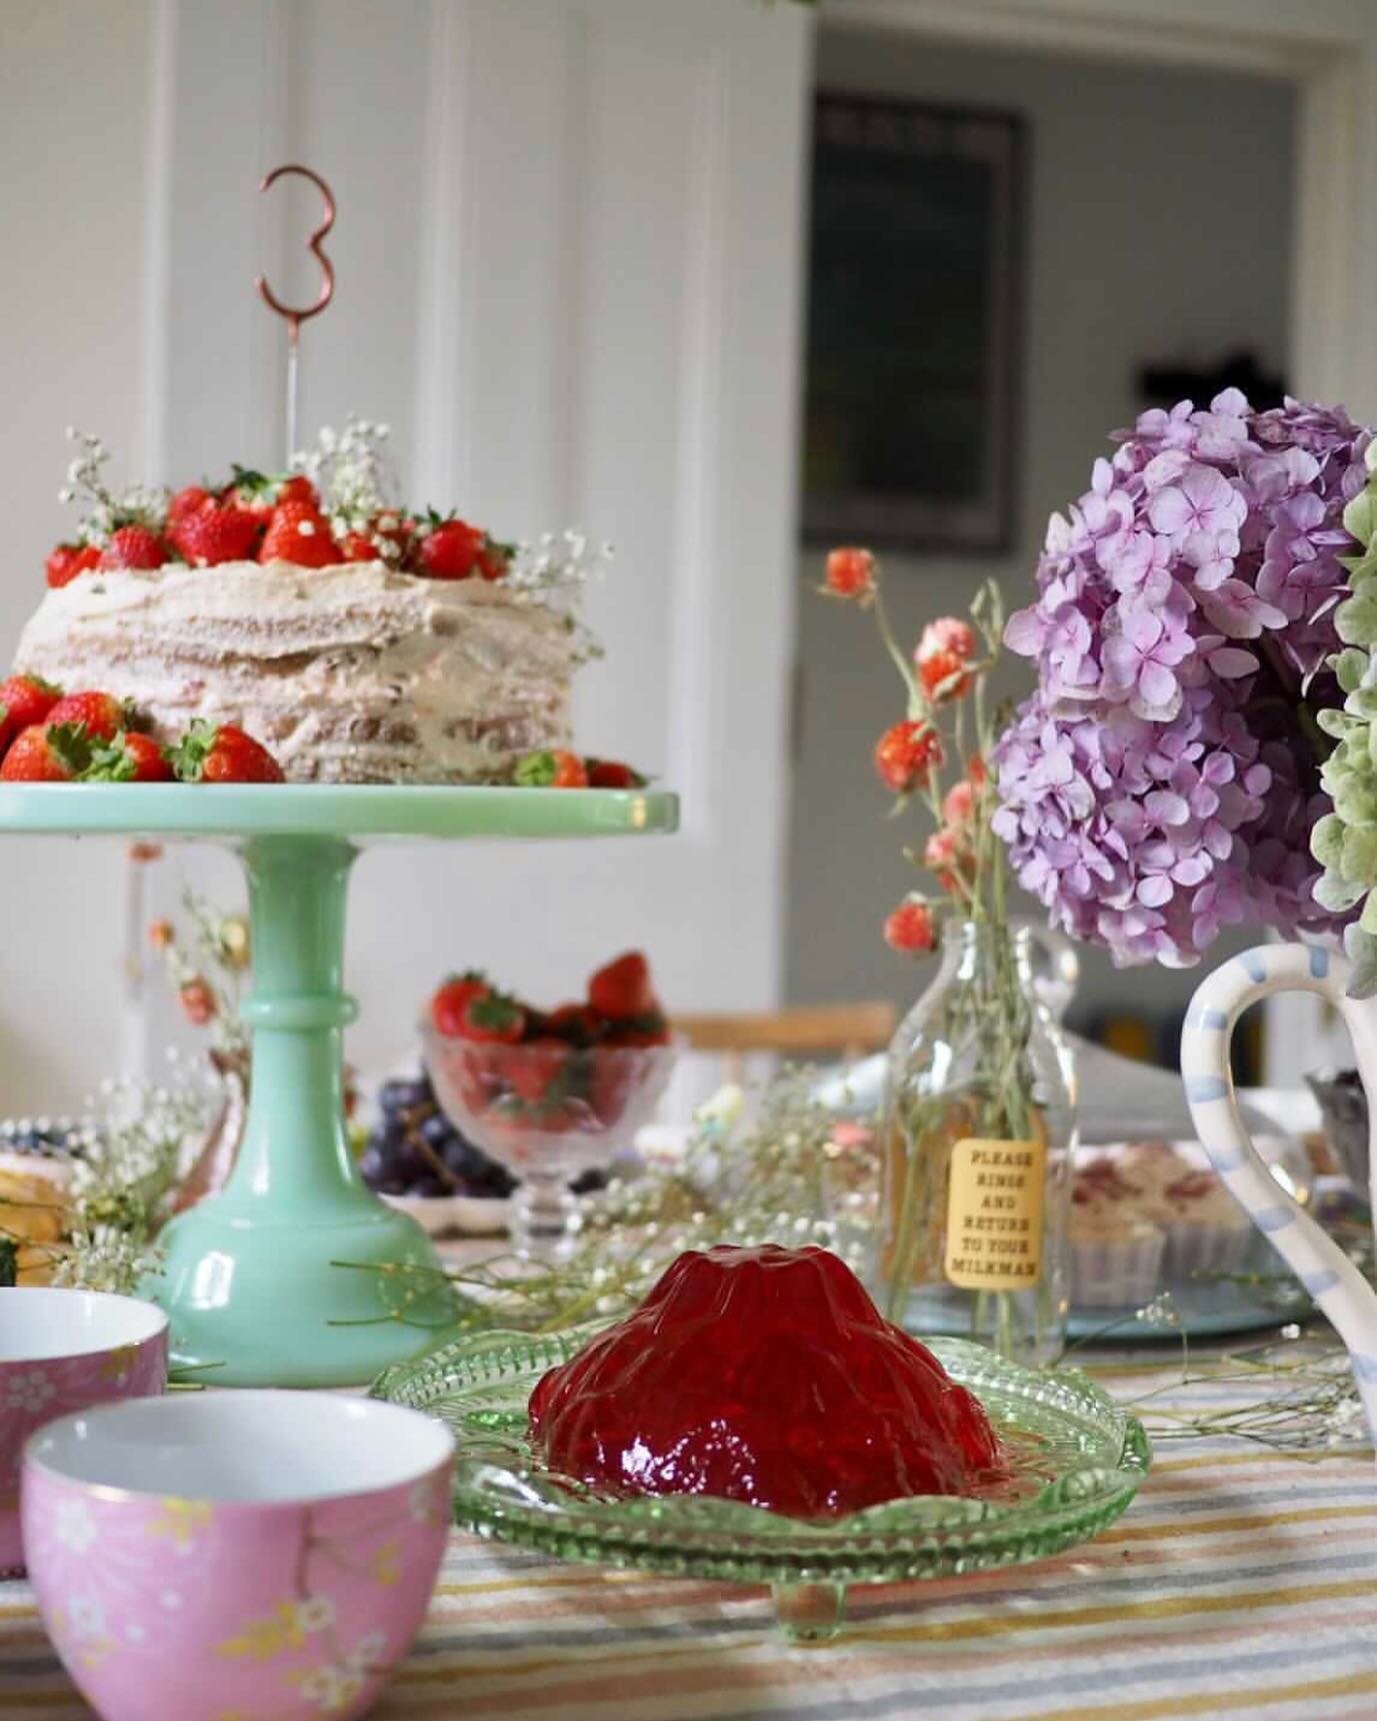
(1317, 1261)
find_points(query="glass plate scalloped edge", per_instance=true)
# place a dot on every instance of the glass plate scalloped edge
(1092, 1456)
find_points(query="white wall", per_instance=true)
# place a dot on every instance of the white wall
(73, 99)
(567, 255)
(1160, 212)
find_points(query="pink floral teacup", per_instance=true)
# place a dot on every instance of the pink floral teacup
(227, 1554)
(61, 1351)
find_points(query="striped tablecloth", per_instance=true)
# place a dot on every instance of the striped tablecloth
(1242, 1582)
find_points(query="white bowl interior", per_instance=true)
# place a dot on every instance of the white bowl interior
(255, 1447)
(38, 1324)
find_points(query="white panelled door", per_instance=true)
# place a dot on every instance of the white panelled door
(568, 251)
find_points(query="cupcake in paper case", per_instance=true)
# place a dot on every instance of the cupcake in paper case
(1152, 1165)
(1208, 1234)
(1116, 1255)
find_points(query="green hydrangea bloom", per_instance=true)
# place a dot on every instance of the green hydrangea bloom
(1345, 841)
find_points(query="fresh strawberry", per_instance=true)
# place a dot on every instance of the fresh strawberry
(477, 1077)
(186, 503)
(261, 492)
(129, 758)
(612, 774)
(251, 491)
(359, 547)
(907, 754)
(450, 550)
(24, 701)
(649, 1029)
(223, 754)
(448, 1005)
(135, 547)
(612, 1079)
(579, 1024)
(494, 559)
(69, 560)
(47, 754)
(492, 1018)
(297, 488)
(388, 537)
(621, 990)
(216, 532)
(101, 715)
(551, 768)
(298, 533)
(533, 1071)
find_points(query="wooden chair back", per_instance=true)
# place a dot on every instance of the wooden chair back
(797, 1030)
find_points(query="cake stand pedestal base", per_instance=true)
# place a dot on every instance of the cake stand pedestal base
(263, 1305)
(271, 1282)
(266, 1284)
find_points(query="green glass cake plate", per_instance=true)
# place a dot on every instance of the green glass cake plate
(1078, 1461)
(252, 1278)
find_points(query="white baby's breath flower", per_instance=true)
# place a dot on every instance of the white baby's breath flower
(1160, 1312)
(723, 1110)
(106, 510)
(351, 473)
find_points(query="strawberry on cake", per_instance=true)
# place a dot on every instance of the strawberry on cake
(358, 642)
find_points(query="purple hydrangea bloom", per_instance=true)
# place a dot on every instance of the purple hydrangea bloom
(1158, 785)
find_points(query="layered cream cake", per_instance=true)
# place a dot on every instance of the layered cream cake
(358, 641)
(354, 673)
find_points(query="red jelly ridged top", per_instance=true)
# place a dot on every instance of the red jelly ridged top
(764, 1375)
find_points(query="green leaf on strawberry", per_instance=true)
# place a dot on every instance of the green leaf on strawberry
(493, 1016)
(111, 762)
(191, 752)
(72, 745)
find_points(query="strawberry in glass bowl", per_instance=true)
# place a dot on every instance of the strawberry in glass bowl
(552, 1094)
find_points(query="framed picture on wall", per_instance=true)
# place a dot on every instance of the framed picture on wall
(913, 358)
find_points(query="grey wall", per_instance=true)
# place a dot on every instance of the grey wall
(1159, 227)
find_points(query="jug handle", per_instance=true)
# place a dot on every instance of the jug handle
(1316, 1260)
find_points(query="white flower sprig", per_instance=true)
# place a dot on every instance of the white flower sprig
(555, 569)
(558, 562)
(107, 510)
(353, 473)
(125, 1181)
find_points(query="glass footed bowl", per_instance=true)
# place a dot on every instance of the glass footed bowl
(548, 1112)
(1077, 1459)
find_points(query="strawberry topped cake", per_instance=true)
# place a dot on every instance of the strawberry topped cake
(358, 642)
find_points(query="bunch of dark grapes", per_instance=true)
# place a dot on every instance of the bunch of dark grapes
(416, 1150)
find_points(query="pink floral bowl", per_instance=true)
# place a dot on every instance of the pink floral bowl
(213, 1555)
(61, 1351)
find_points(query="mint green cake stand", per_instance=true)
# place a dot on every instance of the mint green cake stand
(251, 1278)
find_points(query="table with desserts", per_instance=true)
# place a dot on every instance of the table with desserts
(1239, 1583)
(1242, 1582)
